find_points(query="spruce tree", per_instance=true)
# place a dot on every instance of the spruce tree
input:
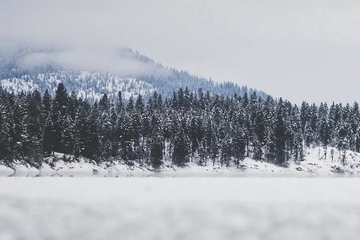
(279, 135)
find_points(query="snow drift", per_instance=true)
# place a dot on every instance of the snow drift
(314, 165)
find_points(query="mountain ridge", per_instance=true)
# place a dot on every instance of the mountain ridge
(92, 73)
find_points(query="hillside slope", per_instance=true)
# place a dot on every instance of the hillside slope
(91, 73)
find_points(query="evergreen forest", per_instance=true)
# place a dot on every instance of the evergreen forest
(189, 126)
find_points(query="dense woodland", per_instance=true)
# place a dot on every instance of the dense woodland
(189, 126)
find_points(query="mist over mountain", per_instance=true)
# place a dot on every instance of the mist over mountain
(91, 71)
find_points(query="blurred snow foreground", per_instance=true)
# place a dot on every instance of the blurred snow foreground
(179, 208)
(220, 203)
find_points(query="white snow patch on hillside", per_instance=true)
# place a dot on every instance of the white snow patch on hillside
(16, 85)
(87, 85)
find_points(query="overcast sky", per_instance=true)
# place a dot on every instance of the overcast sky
(300, 50)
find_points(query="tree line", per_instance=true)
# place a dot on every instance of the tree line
(189, 126)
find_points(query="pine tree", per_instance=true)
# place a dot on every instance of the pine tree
(34, 127)
(196, 134)
(130, 106)
(49, 136)
(182, 147)
(18, 129)
(104, 103)
(61, 99)
(298, 135)
(82, 133)
(5, 125)
(46, 102)
(119, 104)
(73, 105)
(323, 128)
(279, 135)
(67, 134)
(239, 142)
(258, 152)
(226, 151)
(156, 142)
(139, 105)
(269, 113)
(92, 145)
(58, 115)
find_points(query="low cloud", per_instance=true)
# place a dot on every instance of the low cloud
(116, 59)
(263, 44)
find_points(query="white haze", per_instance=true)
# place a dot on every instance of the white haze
(301, 50)
(95, 59)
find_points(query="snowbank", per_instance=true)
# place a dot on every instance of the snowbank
(5, 171)
(314, 165)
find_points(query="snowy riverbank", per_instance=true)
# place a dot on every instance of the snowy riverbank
(313, 165)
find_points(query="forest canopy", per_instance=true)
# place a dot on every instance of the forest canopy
(189, 126)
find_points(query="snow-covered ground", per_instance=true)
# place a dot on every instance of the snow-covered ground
(179, 208)
(315, 165)
(179, 203)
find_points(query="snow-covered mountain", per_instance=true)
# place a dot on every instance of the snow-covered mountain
(92, 72)
(87, 85)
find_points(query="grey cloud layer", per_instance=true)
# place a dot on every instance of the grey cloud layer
(279, 46)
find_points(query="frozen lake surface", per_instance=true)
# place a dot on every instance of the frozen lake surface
(179, 208)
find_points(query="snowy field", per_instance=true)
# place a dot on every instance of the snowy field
(179, 208)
